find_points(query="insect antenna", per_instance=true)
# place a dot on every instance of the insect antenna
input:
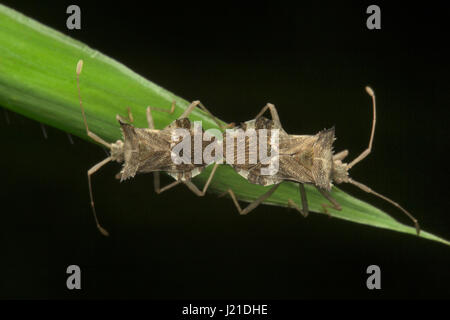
(369, 190)
(366, 152)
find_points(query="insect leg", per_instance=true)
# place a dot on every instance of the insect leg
(304, 211)
(130, 118)
(172, 108)
(194, 188)
(158, 189)
(130, 115)
(255, 203)
(273, 113)
(335, 204)
(151, 124)
(202, 107)
(91, 171)
(341, 155)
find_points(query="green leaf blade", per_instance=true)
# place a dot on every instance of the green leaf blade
(37, 80)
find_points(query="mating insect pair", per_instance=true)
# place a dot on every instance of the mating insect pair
(302, 158)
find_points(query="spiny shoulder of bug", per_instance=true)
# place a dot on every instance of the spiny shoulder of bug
(122, 146)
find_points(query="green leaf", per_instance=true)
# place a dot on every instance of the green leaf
(37, 80)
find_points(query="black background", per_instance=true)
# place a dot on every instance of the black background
(312, 60)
